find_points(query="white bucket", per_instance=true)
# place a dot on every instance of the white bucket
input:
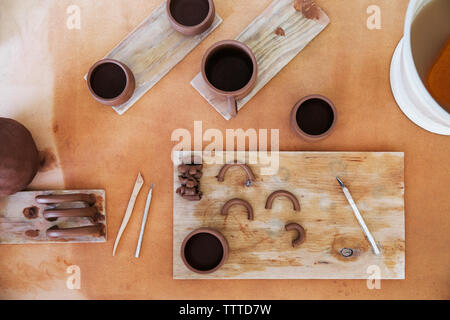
(409, 91)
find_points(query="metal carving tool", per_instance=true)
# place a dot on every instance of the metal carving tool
(144, 221)
(359, 217)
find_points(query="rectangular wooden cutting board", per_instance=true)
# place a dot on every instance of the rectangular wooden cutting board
(261, 249)
(14, 225)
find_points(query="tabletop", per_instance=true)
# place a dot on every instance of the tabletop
(44, 56)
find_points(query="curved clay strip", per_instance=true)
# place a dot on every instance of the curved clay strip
(236, 201)
(301, 233)
(284, 193)
(89, 212)
(61, 198)
(97, 230)
(188, 182)
(251, 177)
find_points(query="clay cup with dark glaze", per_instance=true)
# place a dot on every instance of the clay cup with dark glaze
(111, 82)
(313, 118)
(191, 17)
(229, 69)
(204, 250)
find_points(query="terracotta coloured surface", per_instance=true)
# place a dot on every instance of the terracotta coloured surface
(99, 149)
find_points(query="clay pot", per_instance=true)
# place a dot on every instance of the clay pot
(204, 250)
(313, 118)
(19, 157)
(191, 17)
(230, 69)
(111, 82)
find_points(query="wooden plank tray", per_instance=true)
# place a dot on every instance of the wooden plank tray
(152, 50)
(14, 225)
(273, 52)
(261, 249)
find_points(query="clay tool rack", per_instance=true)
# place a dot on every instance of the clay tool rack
(272, 51)
(152, 50)
(17, 228)
(335, 246)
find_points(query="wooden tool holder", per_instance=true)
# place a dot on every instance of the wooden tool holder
(56, 216)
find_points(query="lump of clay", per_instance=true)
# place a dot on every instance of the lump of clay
(189, 178)
(19, 157)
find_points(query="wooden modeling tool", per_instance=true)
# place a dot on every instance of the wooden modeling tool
(129, 211)
(359, 217)
(144, 221)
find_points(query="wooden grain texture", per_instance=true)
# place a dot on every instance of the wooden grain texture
(273, 52)
(13, 223)
(152, 50)
(262, 248)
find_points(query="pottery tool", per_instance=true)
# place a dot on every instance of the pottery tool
(273, 49)
(152, 50)
(144, 221)
(359, 217)
(129, 211)
(334, 246)
(28, 217)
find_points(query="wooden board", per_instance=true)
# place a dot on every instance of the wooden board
(13, 223)
(261, 248)
(152, 50)
(272, 52)
(29, 99)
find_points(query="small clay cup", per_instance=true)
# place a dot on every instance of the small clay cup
(111, 82)
(228, 51)
(316, 121)
(204, 250)
(191, 17)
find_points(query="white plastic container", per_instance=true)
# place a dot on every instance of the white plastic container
(409, 91)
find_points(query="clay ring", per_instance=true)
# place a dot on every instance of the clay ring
(284, 193)
(236, 201)
(301, 233)
(251, 177)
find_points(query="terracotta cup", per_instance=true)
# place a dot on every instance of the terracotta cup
(313, 118)
(229, 69)
(204, 250)
(191, 17)
(111, 82)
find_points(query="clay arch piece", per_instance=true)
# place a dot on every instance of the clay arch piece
(237, 201)
(283, 193)
(301, 233)
(251, 177)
